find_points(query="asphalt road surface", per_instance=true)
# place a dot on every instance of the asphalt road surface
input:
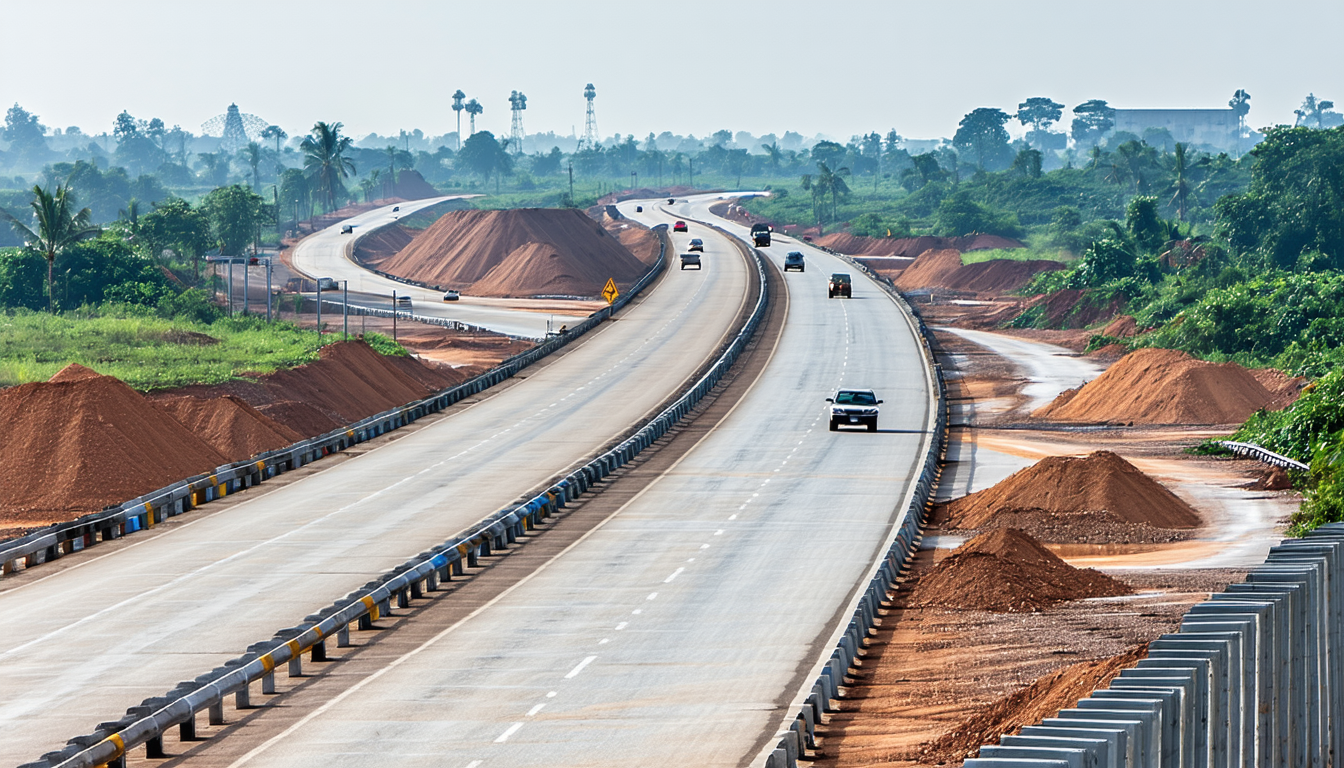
(101, 630)
(680, 630)
(325, 254)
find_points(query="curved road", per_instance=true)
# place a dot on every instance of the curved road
(678, 632)
(100, 631)
(326, 254)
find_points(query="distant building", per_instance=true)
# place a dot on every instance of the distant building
(1213, 127)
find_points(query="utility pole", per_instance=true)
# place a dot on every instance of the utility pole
(319, 313)
(345, 310)
(247, 272)
(690, 161)
(634, 180)
(268, 290)
(571, 183)
(394, 315)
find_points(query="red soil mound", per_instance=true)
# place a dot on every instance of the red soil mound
(307, 420)
(997, 275)
(1122, 327)
(525, 252)
(1285, 389)
(637, 239)
(1163, 386)
(930, 270)
(1006, 570)
(229, 425)
(1042, 699)
(383, 244)
(912, 247)
(82, 441)
(1063, 498)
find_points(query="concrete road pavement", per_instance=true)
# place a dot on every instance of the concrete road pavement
(106, 628)
(677, 632)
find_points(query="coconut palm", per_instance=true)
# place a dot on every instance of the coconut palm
(324, 160)
(458, 106)
(1181, 187)
(252, 155)
(773, 151)
(59, 226)
(831, 183)
(274, 132)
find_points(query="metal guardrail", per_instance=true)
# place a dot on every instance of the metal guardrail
(157, 506)
(442, 322)
(798, 734)
(1252, 678)
(1251, 450)
(147, 723)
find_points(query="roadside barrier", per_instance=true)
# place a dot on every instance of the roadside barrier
(797, 734)
(1252, 678)
(1254, 451)
(147, 723)
(153, 508)
(455, 325)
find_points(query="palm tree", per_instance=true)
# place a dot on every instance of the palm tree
(474, 108)
(252, 155)
(772, 150)
(391, 168)
(458, 106)
(831, 182)
(274, 132)
(58, 228)
(1181, 186)
(325, 161)
(375, 182)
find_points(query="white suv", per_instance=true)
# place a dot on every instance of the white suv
(854, 407)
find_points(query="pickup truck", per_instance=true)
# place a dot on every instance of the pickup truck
(689, 260)
(760, 234)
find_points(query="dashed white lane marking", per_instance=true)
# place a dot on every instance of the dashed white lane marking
(704, 546)
(732, 517)
(719, 532)
(551, 695)
(475, 763)
(512, 729)
(637, 611)
(622, 625)
(576, 670)
(690, 559)
(604, 641)
(652, 596)
(674, 575)
(536, 709)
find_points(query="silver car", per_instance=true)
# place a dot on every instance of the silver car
(854, 407)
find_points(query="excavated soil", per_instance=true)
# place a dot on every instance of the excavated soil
(1163, 386)
(912, 247)
(517, 253)
(82, 441)
(1096, 499)
(943, 269)
(384, 243)
(1007, 571)
(1122, 327)
(1041, 699)
(229, 425)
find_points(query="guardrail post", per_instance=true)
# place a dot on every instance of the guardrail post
(417, 592)
(343, 636)
(242, 698)
(319, 651)
(473, 559)
(296, 666)
(365, 623)
(403, 599)
(154, 748)
(268, 684)
(186, 730)
(216, 716)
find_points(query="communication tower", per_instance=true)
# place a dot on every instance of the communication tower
(590, 123)
(517, 103)
(234, 128)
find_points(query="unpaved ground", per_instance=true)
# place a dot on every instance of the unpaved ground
(928, 670)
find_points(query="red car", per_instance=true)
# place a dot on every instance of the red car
(680, 226)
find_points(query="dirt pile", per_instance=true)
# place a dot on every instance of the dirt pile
(229, 425)
(1122, 327)
(1042, 699)
(943, 268)
(1006, 570)
(1163, 386)
(516, 253)
(931, 269)
(912, 247)
(1285, 389)
(1096, 498)
(82, 441)
(374, 249)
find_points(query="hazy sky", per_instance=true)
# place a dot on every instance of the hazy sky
(837, 67)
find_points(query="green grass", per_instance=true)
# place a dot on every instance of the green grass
(1016, 254)
(146, 352)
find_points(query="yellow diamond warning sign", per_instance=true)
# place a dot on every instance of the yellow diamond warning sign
(609, 291)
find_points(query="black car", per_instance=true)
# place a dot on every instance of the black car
(839, 285)
(793, 260)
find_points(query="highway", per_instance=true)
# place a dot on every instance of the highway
(679, 631)
(103, 629)
(326, 254)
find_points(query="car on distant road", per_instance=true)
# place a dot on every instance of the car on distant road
(639, 209)
(839, 285)
(671, 200)
(680, 226)
(854, 407)
(403, 302)
(696, 244)
(690, 260)
(793, 260)
(451, 296)
(347, 229)
(396, 208)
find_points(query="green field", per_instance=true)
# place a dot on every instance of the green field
(147, 352)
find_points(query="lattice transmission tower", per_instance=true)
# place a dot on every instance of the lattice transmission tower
(517, 103)
(234, 128)
(590, 122)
